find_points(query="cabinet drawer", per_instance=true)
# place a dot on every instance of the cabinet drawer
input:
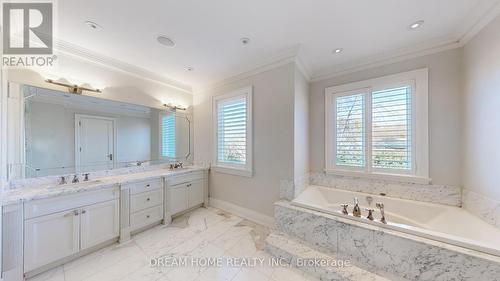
(146, 217)
(193, 176)
(146, 200)
(56, 204)
(143, 186)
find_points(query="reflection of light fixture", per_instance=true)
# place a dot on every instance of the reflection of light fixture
(74, 89)
(174, 107)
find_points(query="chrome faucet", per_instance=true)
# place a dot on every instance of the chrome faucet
(381, 207)
(344, 209)
(86, 177)
(370, 213)
(176, 165)
(356, 211)
(62, 180)
(75, 179)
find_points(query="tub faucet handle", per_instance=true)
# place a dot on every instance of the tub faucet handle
(382, 212)
(356, 211)
(370, 213)
(344, 209)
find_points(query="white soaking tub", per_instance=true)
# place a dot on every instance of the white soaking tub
(442, 223)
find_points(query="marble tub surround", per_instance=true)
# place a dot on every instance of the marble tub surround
(383, 251)
(485, 208)
(295, 252)
(204, 232)
(290, 189)
(38, 188)
(433, 193)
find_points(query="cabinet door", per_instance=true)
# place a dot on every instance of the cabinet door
(178, 198)
(195, 190)
(99, 223)
(50, 238)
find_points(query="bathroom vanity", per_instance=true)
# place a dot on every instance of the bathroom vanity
(46, 226)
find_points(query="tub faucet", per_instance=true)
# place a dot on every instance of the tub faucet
(381, 207)
(75, 179)
(356, 211)
(344, 209)
(370, 214)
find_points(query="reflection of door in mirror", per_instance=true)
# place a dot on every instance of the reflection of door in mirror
(167, 135)
(94, 143)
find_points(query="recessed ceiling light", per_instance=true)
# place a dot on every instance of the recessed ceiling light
(245, 41)
(189, 69)
(93, 25)
(164, 40)
(338, 51)
(416, 24)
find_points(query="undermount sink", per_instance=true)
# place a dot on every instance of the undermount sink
(78, 184)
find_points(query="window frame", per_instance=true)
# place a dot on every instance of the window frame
(418, 80)
(246, 169)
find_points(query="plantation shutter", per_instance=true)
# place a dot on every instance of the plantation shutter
(232, 131)
(391, 129)
(350, 130)
(168, 136)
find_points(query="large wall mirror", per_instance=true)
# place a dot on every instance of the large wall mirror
(63, 133)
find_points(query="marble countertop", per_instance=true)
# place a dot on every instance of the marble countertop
(19, 195)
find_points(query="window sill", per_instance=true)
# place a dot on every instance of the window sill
(381, 176)
(233, 171)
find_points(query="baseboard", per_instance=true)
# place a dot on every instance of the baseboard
(242, 212)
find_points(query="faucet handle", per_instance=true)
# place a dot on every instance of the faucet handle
(62, 180)
(370, 213)
(86, 177)
(344, 208)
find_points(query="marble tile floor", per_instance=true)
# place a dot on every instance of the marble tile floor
(204, 232)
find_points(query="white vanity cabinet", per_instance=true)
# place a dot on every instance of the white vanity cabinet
(145, 203)
(50, 238)
(99, 223)
(61, 227)
(184, 192)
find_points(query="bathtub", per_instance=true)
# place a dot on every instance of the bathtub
(442, 223)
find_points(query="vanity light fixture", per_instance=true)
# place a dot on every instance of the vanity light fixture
(416, 25)
(74, 89)
(174, 107)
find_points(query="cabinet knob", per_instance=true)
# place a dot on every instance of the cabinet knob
(147, 216)
(149, 199)
(83, 211)
(148, 185)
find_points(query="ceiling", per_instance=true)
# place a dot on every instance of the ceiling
(207, 33)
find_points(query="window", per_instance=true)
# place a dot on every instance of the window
(167, 128)
(378, 128)
(233, 132)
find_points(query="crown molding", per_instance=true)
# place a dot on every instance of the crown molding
(385, 59)
(279, 59)
(114, 64)
(478, 21)
(303, 67)
(473, 25)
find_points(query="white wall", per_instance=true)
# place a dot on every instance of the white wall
(482, 117)
(273, 137)
(301, 132)
(445, 111)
